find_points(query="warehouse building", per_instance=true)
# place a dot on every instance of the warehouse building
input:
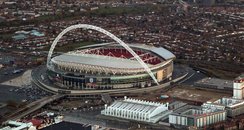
(215, 83)
(207, 114)
(139, 110)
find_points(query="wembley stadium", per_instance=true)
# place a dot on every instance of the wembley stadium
(114, 67)
(110, 66)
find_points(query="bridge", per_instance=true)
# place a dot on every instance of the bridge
(32, 107)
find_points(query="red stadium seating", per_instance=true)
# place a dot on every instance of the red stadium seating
(120, 52)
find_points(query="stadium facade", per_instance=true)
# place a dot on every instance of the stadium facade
(110, 66)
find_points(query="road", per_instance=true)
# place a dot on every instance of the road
(192, 77)
(33, 107)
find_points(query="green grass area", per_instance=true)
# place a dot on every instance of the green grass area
(71, 46)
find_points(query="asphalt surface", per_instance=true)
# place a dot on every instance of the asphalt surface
(27, 93)
(91, 118)
(9, 93)
(7, 74)
(192, 77)
(32, 93)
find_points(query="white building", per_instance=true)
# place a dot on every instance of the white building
(213, 112)
(207, 114)
(238, 87)
(234, 105)
(138, 110)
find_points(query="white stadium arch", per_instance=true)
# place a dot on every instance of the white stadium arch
(87, 26)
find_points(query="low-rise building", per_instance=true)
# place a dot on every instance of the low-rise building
(233, 106)
(139, 110)
(205, 115)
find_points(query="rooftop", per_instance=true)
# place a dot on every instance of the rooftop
(230, 102)
(200, 110)
(164, 53)
(136, 105)
(220, 83)
(98, 60)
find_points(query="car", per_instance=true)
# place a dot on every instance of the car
(17, 71)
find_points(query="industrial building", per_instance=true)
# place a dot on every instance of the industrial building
(139, 110)
(233, 106)
(212, 112)
(205, 115)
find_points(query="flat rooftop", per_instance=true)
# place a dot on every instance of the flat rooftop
(193, 111)
(230, 102)
(220, 83)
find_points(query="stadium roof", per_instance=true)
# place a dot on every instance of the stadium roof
(162, 52)
(98, 60)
